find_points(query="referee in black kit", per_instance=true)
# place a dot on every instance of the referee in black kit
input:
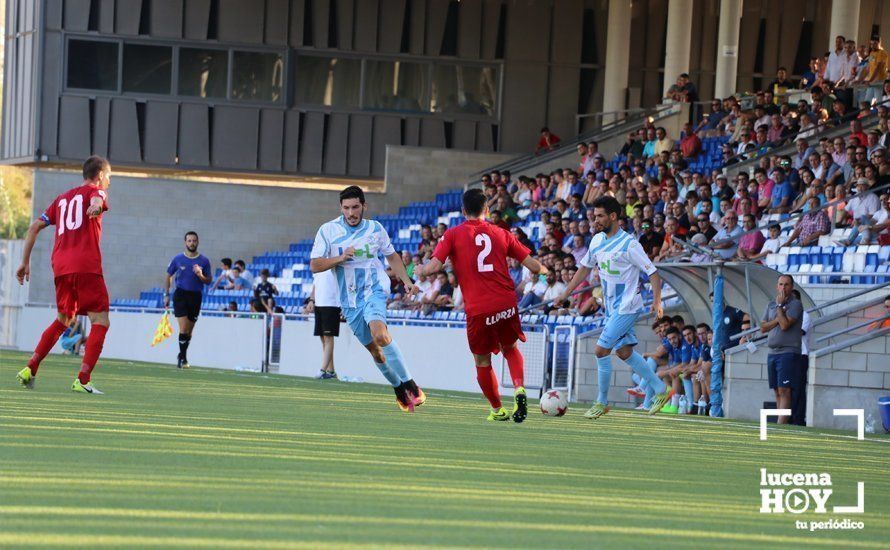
(191, 271)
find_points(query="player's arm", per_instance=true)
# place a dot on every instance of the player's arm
(96, 207)
(398, 267)
(534, 266)
(580, 275)
(23, 273)
(659, 352)
(199, 273)
(319, 265)
(432, 266)
(168, 281)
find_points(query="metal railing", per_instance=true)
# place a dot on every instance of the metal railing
(831, 316)
(851, 342)
(743, 162)
(618, 127)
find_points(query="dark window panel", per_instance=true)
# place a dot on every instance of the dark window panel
(147, 69)
(257, 76)
(92, 65)
(396, 86)
(329, 81)
(464, 89)
(203, 73)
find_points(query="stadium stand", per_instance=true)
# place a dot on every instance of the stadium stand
(648, 175)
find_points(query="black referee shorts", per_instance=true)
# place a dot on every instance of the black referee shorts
(187, 304)
(327, 321)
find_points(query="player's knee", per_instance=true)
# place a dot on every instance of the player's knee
(602, 352)
(382, 339)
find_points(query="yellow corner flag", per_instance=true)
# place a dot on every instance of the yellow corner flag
(163, 331)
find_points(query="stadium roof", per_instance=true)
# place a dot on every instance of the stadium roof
(747, 286)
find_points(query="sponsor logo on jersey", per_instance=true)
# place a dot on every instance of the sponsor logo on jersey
(498, 317)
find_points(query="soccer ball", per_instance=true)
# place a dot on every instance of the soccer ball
(554, 403)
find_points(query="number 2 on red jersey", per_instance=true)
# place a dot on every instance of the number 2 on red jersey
(484, 241)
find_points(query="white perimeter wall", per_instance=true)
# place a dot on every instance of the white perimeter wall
(438, 358)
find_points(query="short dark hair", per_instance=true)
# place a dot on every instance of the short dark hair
(678, 319)
(689, 327)
(609, 204)
(240, 263)
(705, 326)
(352, 192)
(226, 262)
(264, 272)
(474, 202)
(189, 233)
(93, 165)
(671, 330)
(790, 278)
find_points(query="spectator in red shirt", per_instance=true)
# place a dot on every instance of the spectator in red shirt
(690, 145)
(548, 141)
(856, 132)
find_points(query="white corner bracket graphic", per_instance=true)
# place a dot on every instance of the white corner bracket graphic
(860, 502)
(860, 420)
(765, 413)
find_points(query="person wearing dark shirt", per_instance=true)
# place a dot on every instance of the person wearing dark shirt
(265, 291)
(191, 272)
(650, 240)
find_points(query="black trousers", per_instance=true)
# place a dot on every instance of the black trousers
(799, 393)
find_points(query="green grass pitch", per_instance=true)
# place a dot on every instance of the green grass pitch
(214, 459)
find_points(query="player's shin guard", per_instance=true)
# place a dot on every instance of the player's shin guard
(49, 338)
(396, 361)
(488, 381)
(516, 363)
(184, 341)
(95, 341)
(645, 371)
(604, 377)
(387, 373)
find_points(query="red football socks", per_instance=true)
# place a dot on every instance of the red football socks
(95, 341)
(489, 384)
(47, 341)
(517, 366)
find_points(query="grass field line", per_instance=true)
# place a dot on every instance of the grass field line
(534, 500)
(338, 457)
(512, 526)
(417, 452)
(43, 539)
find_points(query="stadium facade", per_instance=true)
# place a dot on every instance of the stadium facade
(314, 93)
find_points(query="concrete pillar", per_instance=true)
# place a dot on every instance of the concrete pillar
(728, 48)
(678, 42)
(844, 21)
(617, 56)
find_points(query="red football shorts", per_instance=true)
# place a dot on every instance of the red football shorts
(81, 293)
(491, 332)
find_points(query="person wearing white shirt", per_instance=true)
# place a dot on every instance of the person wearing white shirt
(555, 287)
(836, 60)
(865, 203)
(325, 304)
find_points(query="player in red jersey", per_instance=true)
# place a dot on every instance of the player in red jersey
(77, 268)
(478, 252)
